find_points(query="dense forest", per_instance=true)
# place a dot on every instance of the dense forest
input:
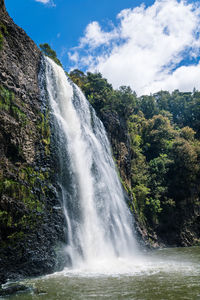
(164, 133)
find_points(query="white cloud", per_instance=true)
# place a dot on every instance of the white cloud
(95, 37)
(184, 78)
(46, 2)
(74, 57)
(43, 1)
(148, 49)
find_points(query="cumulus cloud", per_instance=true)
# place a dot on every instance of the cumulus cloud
(151, 48)
(95, 36)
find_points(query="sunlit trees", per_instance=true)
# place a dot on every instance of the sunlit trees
(46, 49)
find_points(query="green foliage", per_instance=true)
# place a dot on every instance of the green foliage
(78, 77)
(164, 132)
(8, 103)
(157, 136)
(1, 41)
(148, 106)
(101, 94)
(23, 189)
(45, 131)
(46, 49)
(18, 114)
(16, 223)
(187, 133)
(21, 192)
(6, 98)
(3, 32)
(97, 90)
(3, 29)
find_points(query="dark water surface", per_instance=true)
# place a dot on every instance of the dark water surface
(162, 274)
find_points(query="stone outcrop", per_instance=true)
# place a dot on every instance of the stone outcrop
(31, 219)
(118, 135)
(2, 5)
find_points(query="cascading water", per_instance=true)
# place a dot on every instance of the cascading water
(99, 224)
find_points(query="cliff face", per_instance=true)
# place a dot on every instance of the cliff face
(2, 5)
(117, 132)
(118, 135)
(179, 227)
(31, 223)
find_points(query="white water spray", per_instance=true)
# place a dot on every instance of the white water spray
(99, 224)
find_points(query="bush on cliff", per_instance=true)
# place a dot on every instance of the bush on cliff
(46, 50)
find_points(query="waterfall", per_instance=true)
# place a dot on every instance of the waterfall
(99, 226)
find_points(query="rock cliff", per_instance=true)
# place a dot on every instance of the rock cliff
(31, 221)
(180, 227)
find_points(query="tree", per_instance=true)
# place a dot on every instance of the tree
(147, 105)
(79, 78)
(184, 173)
(46, 50)
(157, 135)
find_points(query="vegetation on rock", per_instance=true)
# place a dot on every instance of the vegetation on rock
(46, 50)
(3, 31)
(22, 186)
(30, 228)
(164, 135)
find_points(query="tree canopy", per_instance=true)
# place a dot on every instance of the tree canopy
(46, 50)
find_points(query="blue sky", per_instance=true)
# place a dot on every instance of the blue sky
(150, 47)
(61, 25)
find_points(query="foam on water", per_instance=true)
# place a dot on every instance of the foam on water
(142, 266)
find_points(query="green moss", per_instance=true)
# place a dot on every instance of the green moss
(19, 115)
(21, 192)
(3, 29)
(44, 128)
(46, 141)
(17, 223)
(4, 218)
(16, 236)
(5, 98)
(7, 103)
(1, 40)
(24, 191)
(3, 32)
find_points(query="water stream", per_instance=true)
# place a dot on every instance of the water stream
(99, 224)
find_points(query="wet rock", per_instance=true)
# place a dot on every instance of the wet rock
(12, 289)
(30, 229)
(2, 5)
(118, 135)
